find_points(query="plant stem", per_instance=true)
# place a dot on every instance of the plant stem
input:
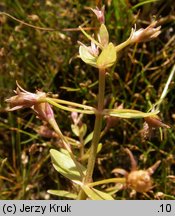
(107, 181)
(97, 131)
(97, 127)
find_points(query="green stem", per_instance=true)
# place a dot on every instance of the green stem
(165, 90)
(107, 181)
(125, 43)
(97, 131)
(97, 127)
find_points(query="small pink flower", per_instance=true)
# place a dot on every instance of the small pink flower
(92, 50)
(143, 35)
(100, 14)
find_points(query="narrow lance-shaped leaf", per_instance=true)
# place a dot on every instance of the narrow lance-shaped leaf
(103, 35)
(128, 113)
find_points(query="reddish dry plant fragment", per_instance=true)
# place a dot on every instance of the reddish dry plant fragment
(155, 122)
(45, 131)
(150, 123)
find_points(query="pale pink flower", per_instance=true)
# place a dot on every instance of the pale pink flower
(143, 35)
(25, 99)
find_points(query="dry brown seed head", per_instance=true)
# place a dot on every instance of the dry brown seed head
(139, 180)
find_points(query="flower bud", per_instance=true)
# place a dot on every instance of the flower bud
(43, 111)
(100, 14)
(155, 122)
(150, 123)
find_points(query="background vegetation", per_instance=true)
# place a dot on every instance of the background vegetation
(48, 60)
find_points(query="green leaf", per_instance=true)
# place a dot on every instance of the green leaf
(99, 148)
(128, 113)
(73, 141)
(95, 194)
(79, 131)
(62, 193)
(83, 130)
(142, 3)
(88, 138)
(87, 57)
(104, 36)
(107, 57)
(70, 89)
(64, 164)
(75, 130)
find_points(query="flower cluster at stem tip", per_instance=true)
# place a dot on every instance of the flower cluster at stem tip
(108, 55)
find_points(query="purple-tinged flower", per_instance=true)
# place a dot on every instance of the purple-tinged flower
(24, 99)
(147, 34)
(100, 14)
